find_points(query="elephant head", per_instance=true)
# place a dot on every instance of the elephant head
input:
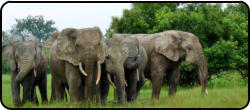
(23, 57)
(122, 53)
(177, 45)
(84, 48)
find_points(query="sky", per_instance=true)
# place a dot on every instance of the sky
(70, 15)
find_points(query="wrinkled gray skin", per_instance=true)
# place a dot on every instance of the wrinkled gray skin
(28, 66)
(125, 55)
(165, 50)
(68, 48)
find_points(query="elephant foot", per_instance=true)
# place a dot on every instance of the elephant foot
(155, 97)
(171, 94)
(18, 104)
(45, 102)
(103, 103)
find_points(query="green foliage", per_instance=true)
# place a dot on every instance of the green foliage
(227, 79)
(5, 67)
(188, 75)
(223, 33)
(221, 56)
(35, 25)
(4, 36)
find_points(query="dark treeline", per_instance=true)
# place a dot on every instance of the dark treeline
(222, 31)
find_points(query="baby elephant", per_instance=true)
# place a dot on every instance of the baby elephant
(28, 65)
(125, 62)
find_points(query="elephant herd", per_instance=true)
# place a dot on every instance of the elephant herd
(85, 64)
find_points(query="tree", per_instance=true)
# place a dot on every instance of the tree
(4, 36)
(34, 25)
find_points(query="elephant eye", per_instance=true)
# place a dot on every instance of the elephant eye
(107, 57)
(77, 45)
(189, 48)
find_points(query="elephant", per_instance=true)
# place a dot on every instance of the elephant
(75, 62)
(126, 59)
(27, 63)
(165, 51)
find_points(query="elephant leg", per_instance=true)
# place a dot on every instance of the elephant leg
(158, 69)
(27, 89)
(15, 88)
(132, 83)
(174, 79)
(34, 95)
(140, 83)
(104, 88)
(43, 90)
(74, 81)
(57, 90)
(115, 95)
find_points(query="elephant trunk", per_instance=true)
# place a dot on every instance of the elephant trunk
(203, 73)
(25, 68)
(89, 82)
(121, 83)
(92, 81)
(132, 62)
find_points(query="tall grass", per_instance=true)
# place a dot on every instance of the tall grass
(226, 91)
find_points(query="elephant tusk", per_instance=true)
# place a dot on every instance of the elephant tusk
(99, 72)
(34, 72)
(126, 84)
(110, 81)
(137, 75)
(82, 71)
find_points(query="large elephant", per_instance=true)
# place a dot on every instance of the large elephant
(28, 66)
(75, 62)
(125, 62)
(165, 51)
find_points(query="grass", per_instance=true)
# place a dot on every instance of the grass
(225, 91)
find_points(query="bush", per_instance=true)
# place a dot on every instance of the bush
(227, 79)
(221, 56)
(5, 67)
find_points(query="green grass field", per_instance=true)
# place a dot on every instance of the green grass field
(229, 91)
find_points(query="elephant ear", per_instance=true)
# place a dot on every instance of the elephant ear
(65, 46)
(8, 51)
(51, 41)
(102, 50)
(167, 45)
